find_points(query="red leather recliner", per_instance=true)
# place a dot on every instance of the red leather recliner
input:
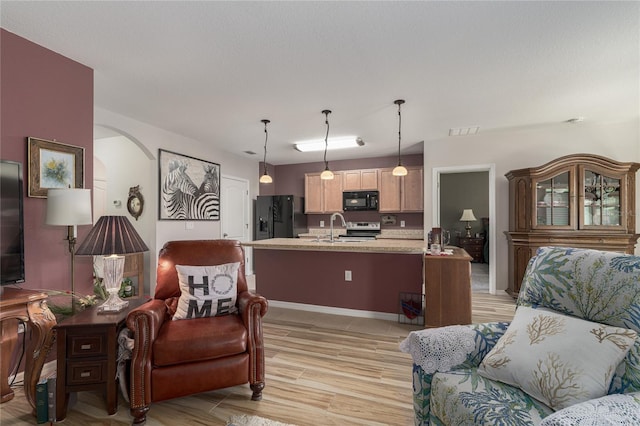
(177, 358)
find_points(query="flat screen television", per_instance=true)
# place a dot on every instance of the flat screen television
(11, 223)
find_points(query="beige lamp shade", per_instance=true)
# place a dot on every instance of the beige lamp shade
(467, 216)
(68, 206)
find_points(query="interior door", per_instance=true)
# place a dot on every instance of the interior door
(234, 214)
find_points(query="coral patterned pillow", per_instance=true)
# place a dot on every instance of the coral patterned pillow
(557, 359)
(207, 291)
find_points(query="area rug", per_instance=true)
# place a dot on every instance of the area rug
(245, 420)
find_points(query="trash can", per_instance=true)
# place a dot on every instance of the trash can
(411, 308)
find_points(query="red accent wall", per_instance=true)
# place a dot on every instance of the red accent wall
(48, 96)
(317, 278)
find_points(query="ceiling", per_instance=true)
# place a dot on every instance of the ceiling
(212, 70)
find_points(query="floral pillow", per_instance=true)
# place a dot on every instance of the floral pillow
(207, 290)
(557, 359)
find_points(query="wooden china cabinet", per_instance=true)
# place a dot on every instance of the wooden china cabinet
(580, 200)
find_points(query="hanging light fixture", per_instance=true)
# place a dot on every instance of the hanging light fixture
(265, 178)
(399, 170)
(326, 174)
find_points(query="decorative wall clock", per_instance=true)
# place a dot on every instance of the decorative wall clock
(135, 203)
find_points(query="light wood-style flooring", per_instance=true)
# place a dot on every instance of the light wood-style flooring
(322, 369)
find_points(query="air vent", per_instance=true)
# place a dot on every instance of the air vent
(464, 131)
(250, 152)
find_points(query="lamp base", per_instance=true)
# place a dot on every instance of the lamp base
(113, 304)
(468, 228)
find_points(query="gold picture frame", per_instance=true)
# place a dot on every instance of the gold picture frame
(54, 165)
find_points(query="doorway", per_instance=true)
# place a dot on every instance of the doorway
(444, 212)
(119, 163)
(234, 215)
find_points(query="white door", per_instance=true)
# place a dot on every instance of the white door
(234, 214)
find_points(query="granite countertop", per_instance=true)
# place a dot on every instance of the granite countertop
(370, 246)
(391, 234)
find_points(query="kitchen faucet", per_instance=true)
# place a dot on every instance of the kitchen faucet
(344, 223)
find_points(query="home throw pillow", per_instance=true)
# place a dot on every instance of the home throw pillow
(557, 359)
(207, 291)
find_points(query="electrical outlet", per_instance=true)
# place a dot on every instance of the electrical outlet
(347, 275)
(20, 327)
(188, 225)
(402, 224)
(322, 224)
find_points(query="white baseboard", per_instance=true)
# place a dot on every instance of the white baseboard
(334, 311)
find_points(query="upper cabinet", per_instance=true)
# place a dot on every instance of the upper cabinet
(578, 192)
(401, 194)
(360, 180)
(396, 194)
(578, 200)
(323, 196)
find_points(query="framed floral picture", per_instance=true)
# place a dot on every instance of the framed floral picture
(54, 165)
(189, 187)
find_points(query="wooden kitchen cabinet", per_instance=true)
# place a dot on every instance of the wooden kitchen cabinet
(582, 200)
(389, 196)
(401, 194)
(360, 180)
(411, 190)
(323, 196)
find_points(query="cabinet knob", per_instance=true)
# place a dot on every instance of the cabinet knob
(85, 347)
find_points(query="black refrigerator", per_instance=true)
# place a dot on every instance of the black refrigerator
(279, 216)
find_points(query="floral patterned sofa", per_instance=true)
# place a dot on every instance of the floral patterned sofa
(573, 305)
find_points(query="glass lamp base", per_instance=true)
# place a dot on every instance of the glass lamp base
(113, 304)
(112, 269)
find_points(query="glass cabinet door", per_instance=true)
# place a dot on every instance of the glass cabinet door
(602, 203)
(553, 202)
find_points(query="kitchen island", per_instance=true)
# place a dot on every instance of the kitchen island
(365, 277)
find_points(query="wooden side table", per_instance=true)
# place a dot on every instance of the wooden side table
(473, 246)
(87, 345)
(29, 306)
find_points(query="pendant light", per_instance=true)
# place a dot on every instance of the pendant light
(265, 178)
(326, 174)
(399, 170)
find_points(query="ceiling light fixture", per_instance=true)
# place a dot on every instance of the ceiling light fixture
(399, 170)
(326, 174)
(341, 142)
(265, 178)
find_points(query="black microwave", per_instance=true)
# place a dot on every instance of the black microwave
(360, 200)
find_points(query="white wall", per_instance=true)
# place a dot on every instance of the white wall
(511, 149)
(150, 139)
(127, 165)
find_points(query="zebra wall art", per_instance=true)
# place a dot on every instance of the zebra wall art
(189, 188)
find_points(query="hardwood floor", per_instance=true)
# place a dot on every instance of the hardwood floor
(322, 369)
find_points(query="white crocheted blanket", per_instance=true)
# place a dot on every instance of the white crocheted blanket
(439, 349)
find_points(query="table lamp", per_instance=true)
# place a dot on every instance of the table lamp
(69, 207)
(112, 237)
(467, 216)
